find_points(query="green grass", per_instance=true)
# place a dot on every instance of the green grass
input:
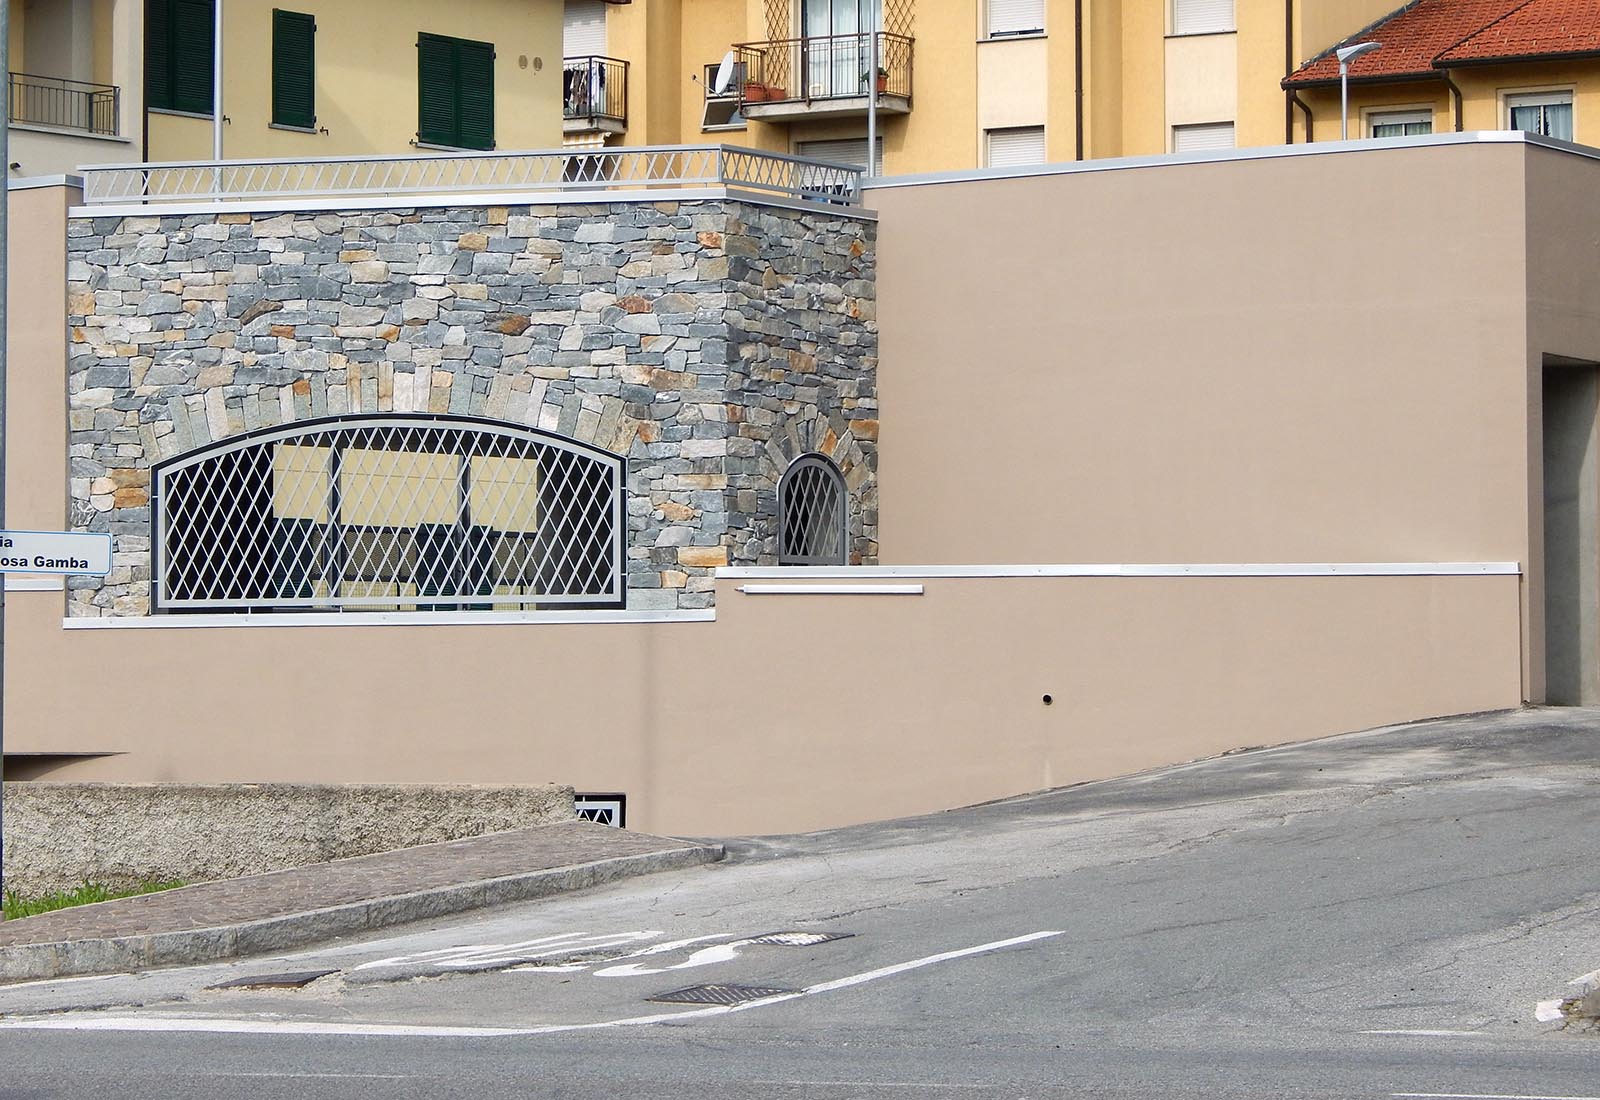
(17, 906)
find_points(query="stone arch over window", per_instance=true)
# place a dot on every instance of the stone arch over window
(389, 511)
(813, 509)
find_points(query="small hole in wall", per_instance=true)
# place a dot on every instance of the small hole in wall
(1048, 700)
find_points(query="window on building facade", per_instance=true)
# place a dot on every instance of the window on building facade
(722, 108)
(389, 513)
(178, 55)
(294, 82)
(1399, 123)
(1007, 18)
(1202, 16)
(455, 92)
(1014, 147)
(1206, 135)
(1547, 113)
(811, 513)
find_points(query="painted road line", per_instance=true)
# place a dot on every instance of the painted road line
(218, 1025)
(1548, 1012)
(1431, 1033)
(1482, 1096)
(60, 981)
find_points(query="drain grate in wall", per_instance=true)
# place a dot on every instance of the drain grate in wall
(297, 979)
(800, 939)
(721, 993)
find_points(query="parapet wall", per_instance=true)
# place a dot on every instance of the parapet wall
(709, 343)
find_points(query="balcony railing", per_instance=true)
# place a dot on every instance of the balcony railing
(594, 91)
(69, 104)
(511, 177)
(821, 68)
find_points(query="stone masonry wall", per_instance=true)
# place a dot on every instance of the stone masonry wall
(708, 342)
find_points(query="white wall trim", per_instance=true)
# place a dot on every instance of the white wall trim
(831, 589)
(386, 618)
(1292, 569)
(29, 183)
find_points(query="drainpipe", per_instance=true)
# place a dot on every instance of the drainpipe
(1077, 75)
(1288, 68)
(1294, 97)
(1455, 94)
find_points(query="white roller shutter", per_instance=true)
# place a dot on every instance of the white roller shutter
(1209, 135)
(848, 151)
(1201, 16)
(1017, 146)
(583, 29)
(1008, 17)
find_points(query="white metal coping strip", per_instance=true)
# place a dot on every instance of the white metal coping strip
(831, 589)
(1295, 569)
(387, 618)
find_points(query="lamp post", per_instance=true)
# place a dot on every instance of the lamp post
(1347, 54)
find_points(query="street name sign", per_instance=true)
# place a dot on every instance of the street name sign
(55, 552)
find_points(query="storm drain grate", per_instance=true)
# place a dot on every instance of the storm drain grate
(800, 939)
(295, 980)
(719, 994)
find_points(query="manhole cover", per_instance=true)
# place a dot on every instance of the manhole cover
(719, 994)
(800, 939)
(294, 980)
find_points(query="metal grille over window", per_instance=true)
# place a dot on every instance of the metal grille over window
(811, 513)
(391, 513)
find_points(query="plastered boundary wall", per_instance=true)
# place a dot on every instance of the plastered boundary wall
(61, 835)
(786, 712)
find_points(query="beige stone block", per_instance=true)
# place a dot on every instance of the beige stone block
(703, 557)
(369, 271)
(472, 242)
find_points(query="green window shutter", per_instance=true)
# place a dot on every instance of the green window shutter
(192, 59)
(475, 72)
(294, 84)
(437, 101)
(158, 54)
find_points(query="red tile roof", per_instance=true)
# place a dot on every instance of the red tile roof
(1416, 36)
(1539, 28)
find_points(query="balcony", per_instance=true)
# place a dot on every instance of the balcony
(63, 104)
(824, 77)
(594, 95)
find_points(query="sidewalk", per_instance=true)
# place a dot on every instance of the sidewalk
(284, 909)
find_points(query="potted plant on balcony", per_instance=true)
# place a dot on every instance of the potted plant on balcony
(883, 79)
(754, 92)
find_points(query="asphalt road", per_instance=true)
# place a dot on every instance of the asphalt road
(1368, 916)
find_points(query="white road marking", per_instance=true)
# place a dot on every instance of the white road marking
(1590, 979)
(723, 952)
(657, 949)
(488, 954)
(61, 981)
(1432, 1033)
(1548, 1012)
(313, 1027)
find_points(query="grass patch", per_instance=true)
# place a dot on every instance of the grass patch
(18, 906)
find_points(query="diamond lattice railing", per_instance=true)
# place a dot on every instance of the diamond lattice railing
(523, 174)
(391, 513)
(811, 520)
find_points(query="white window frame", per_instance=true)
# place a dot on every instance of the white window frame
(1372, 117)
(991, 35)
(1551, 95)
(1174, 31)
(1172, 134)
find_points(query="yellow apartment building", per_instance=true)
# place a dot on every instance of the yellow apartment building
(98, 81)
(1446, 65)
(959, 83)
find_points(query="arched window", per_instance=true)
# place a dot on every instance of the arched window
(388, 512)
(811, 513)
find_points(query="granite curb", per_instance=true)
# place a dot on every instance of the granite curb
(32, 961)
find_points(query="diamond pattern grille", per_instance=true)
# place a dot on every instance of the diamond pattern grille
(811, 519)
(392, 513)
(638, 169)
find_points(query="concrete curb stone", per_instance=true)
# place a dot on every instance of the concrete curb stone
(32, 961)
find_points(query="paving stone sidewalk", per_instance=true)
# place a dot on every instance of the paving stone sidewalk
(281, 909)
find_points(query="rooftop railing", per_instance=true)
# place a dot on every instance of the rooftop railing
(532, 176)
(68, 104)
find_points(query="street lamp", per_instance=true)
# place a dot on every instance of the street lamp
(1347, 54)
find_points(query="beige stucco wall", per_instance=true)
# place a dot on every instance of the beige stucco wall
(366, 83)
(1202, 81)
(1013, 83)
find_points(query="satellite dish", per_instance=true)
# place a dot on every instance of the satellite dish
(724, 74)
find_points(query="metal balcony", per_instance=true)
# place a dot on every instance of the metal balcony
(825, 77)
(66, 104)
(594, 95)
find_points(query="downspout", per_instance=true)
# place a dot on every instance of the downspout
(1288, 68)
(1077, 75)
(1455, 94)
(1294, 97)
